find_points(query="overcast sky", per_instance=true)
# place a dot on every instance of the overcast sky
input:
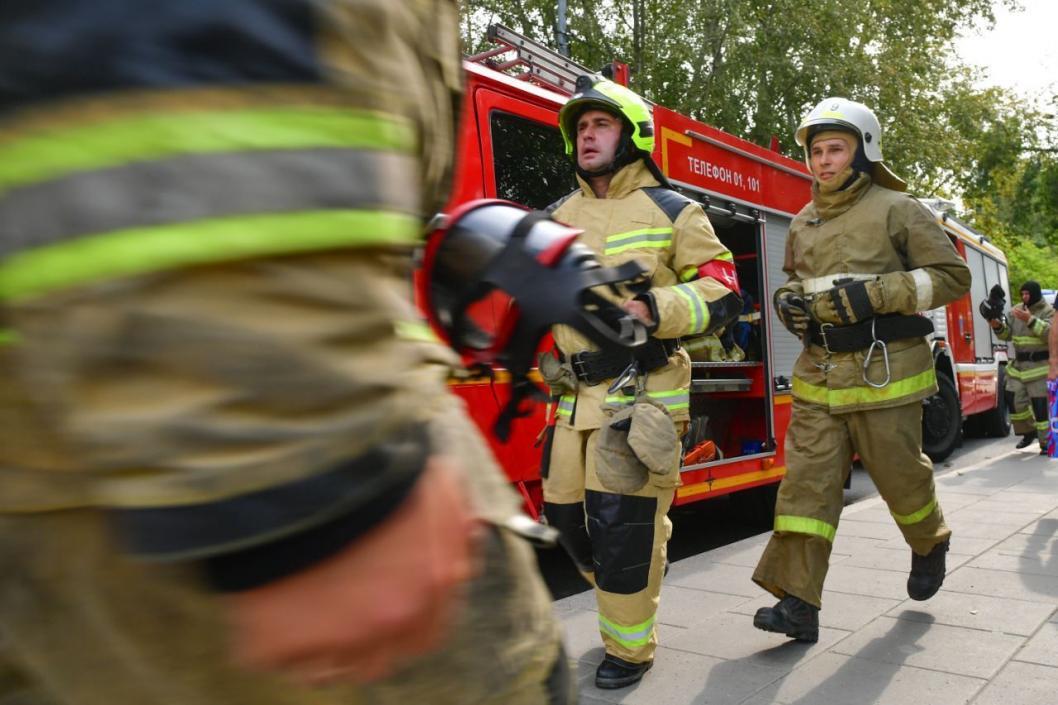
(1021, 52)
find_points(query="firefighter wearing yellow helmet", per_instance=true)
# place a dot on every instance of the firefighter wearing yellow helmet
(862, 259)
(612, 464)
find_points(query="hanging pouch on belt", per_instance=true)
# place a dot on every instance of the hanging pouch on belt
(638, 443)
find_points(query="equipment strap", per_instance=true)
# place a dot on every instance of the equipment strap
(858, 336)
(596, 367)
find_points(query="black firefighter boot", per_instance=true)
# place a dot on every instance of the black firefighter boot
(791, 616)
(1026, 440)
(927, 573)
(615, 672)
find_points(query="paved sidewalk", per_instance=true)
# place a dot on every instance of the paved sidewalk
(989, 637)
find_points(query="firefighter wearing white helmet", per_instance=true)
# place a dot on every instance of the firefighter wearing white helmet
(861, 259)
(612, 461)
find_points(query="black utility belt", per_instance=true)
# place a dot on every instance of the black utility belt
(859, 336)
(1032, 356)
(597, 367)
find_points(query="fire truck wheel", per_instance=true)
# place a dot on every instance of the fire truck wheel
(941, 421)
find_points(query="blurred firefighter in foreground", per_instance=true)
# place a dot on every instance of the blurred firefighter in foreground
(236, 473)
(862, 259)
(1027, 374)
(612, 464)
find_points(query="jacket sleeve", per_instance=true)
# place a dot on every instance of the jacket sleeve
(1003, 331)
(793, 282)
(707, 297)
(1041, 325)
(935, 274)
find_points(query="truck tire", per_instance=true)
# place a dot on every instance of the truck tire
(995, 423)
(941, 420)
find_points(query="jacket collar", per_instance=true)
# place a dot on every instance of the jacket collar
(627, 179)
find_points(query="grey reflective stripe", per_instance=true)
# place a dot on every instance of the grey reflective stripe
(189, 188)
(826, 282)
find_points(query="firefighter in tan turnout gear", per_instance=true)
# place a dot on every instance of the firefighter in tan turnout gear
(1027, 374)
(862, 258)
(230, 468)
(613, 465)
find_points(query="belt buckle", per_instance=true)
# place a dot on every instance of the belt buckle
(823, 334)
(576, 361)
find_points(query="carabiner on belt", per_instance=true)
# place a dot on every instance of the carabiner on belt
(885, 356)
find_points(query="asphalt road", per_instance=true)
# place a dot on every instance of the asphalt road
(704, 526)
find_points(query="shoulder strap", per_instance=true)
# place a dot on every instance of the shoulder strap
(670, 202)
(555, 206)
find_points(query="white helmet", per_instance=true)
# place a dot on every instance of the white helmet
(843, 113)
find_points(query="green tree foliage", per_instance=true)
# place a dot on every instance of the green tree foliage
(754, 68)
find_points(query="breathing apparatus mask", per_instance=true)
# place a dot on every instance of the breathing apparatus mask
(496, 259)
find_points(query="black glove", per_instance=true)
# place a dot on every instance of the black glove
(792, 312)
(848, 303)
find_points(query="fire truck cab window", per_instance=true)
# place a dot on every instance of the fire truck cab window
(529, 161)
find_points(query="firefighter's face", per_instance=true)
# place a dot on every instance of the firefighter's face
(829, 157)
(1025, 296)
(598, 135)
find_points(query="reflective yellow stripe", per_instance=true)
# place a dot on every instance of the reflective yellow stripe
(1030, 375)
(915, 517)
(674, 399)
(863, 395)
(805, 525)
(1039, 327)
(51, 153)
(631, 637)
(416, 332)
(633, 239)
(143, 250)
(699, 310)
(725, 257)
(1022, 415)
(565, 405)
(1043, 425)
(689, 274)
(1028, 340)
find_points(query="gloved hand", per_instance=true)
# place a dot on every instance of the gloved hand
(848, 303)
(792, 312)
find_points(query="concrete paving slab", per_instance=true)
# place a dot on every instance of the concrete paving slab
(899, 640)
(990, 614)
(976, 530)
(840, 611)
(1037, 543)
(867, 529)
(878, 514)
(896, 559)
(951, 501)
(847, 545)
(687, 607)
(1021, 684)
(961, 544)
(1042, 648)
(683, 678)
(714, 577)
(833, 679)
(1022, 501)
(1046, 526)
(983, 515)
(867, 581)
(1001, 583)
(733, 637)
(1032, 564)
(745, 553)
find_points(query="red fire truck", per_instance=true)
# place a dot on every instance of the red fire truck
(510, 148)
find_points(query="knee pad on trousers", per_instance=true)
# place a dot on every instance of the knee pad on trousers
(622, 538)
(1039, 408)
(568, 519)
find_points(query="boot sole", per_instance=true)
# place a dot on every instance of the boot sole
(615, 683)
(807, 635)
